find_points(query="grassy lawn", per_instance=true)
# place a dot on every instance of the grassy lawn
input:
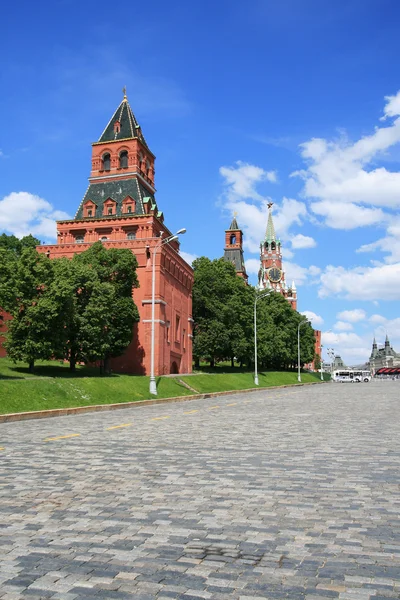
(53, 386)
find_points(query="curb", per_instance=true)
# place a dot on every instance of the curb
(78, 410)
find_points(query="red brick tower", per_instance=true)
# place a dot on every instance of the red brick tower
(271, 274)
(233, 251)
(119, 209)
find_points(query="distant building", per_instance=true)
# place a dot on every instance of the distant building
(338, 363)
(384, 357)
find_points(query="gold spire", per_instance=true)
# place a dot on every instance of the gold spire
(235, 214)
(124, 92)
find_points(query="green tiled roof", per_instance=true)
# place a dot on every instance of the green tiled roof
(129, 127)
(117, 191)
(270, 233)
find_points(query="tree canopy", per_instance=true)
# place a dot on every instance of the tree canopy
(223, 312)
(81, 310)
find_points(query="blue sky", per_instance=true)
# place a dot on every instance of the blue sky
(296, 101)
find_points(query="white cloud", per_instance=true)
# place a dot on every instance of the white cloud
(340, 215)
(392, 108)
(313, 317)
(353, 316)
(22, 213)
(353, 348)
(252, 266)
(300, 275)
(303, 241)
(341, 178)
(314, 270)
(389, 244)
(377, 319)
(241, 180)
(342, 326)
(366, 283)
(187, 256)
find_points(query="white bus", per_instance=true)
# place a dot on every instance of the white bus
(351, 376)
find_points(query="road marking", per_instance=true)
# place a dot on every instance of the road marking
(233, 404)
(62, 437)
(211, 407)
(159, 418)
(190, 412)
(118, 426)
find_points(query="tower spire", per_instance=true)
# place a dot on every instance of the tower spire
(270, 232)
(234, 225)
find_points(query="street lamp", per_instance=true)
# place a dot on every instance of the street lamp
(171, 238)
(255, 333)
(331, 353)
(298, 348)
(322, 365)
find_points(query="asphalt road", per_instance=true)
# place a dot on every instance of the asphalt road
(290, 493)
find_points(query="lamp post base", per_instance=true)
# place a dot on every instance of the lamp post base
(256, 380)
(153, 386)
(299, 378)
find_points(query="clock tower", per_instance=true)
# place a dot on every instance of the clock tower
(271, 274)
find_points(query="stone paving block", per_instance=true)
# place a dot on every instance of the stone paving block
(291, 495)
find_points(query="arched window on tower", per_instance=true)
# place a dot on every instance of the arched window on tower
(106, 162)
(123, 159)
(131, 235)
(266, 246)
(273, 246)
(147, 168)
(232, 239)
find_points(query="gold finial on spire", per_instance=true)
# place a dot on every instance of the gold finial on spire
(270, 205)
(235, 214)
(124, 92)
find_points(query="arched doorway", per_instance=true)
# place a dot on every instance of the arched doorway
(174, 368)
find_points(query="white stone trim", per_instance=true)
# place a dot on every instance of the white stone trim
(157, 301)
(190, 320)
(155, 321)
(190, 336)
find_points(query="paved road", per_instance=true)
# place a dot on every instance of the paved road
(277, 494)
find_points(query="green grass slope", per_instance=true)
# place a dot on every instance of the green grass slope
(52, 386)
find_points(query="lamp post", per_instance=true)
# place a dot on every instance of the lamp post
(322, 365)
(171, 238)
(255, 333)
(331, 354)
(298, 348)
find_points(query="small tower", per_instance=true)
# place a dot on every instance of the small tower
(233, 251)
(271, 274)
(388, 349)
(374, 352)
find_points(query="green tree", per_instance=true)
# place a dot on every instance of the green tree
(101, 312)
(277, 326)
(16, 245)
(80, 309)
(24, 293)
(221, 312)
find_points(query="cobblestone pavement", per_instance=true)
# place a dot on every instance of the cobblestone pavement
(290, 493)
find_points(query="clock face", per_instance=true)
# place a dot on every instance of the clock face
(274, 274)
